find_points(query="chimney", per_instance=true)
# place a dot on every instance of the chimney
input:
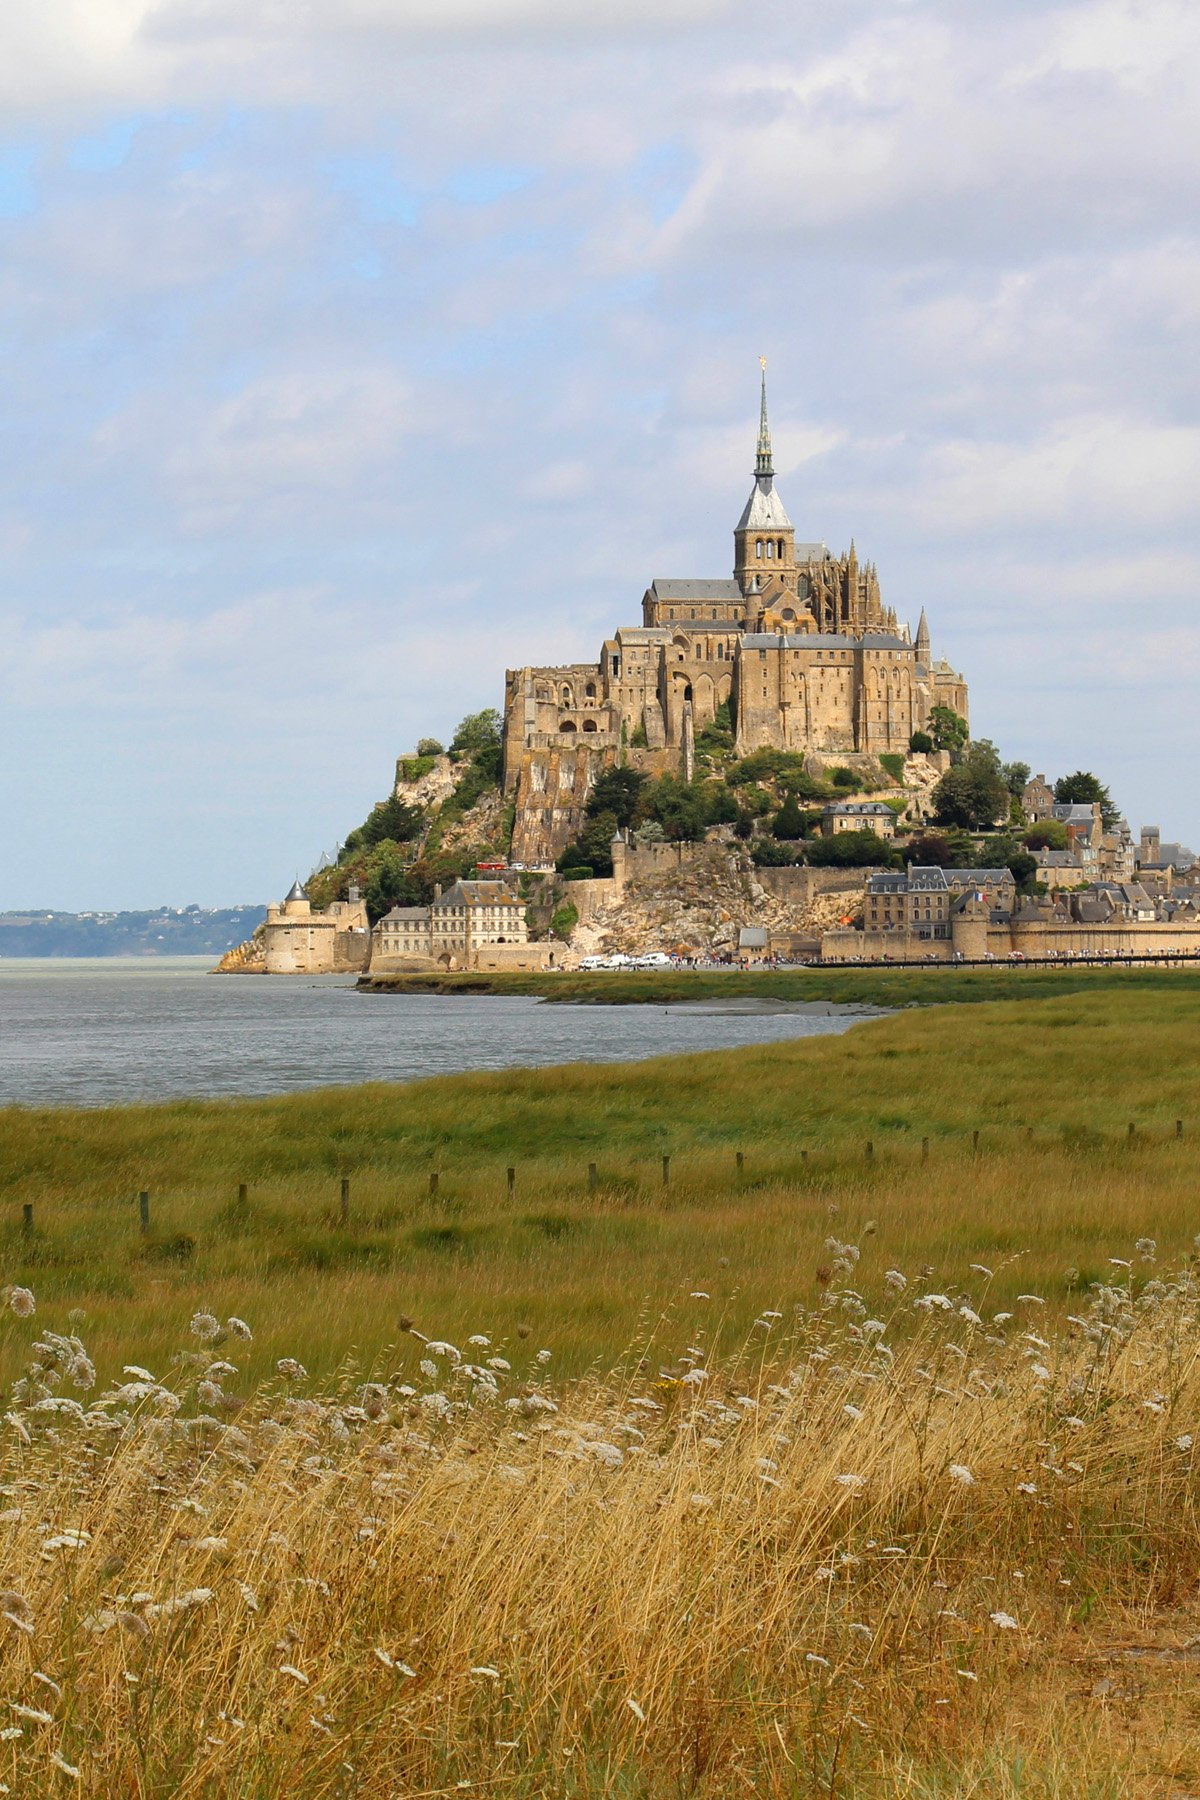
(352, 893)
(437, 890)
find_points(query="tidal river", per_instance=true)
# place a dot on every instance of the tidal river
(114, 1031)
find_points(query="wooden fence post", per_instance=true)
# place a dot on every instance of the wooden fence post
(924, 1149)
(593, 1177)
(27, 1218)
(144, 1211)
(243, 1193)
(1132, 1131)
(1179, 1128)
(666, 1162)
(345, 1199)
(512, 1182)
(741, 1162)
(433, 1181)
(870, 1150)
(975, 1144)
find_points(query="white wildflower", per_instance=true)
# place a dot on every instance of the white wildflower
(1032, 1299)
(290, 1369)
(498, 1362)
(960, 1472)
(205, 1327)
(967, 1674)
(429, 1368)
(855, 1483)
(238, 1328)
(636, 1710)
(896, 1280)
(295, 1673)
(543, 1357)
(1026, 1487)
(1004, 1621)
(694, 1378)
(63, 1766)
(479, 1342)
(1184, 1442)
(441, 1349)
(698, 1294)
(700, 1502)
(22, 1302)
(33, 1713)
(1146, 1247)
(853, 1412)
(487, 1670)
(822, 1662)
(979, 1269)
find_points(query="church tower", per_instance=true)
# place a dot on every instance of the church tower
(764, 540)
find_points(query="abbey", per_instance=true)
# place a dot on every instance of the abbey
(798, 643)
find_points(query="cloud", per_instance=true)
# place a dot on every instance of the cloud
(350, 352)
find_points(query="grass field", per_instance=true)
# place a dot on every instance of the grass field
(868, 1469)
(1051, 1086)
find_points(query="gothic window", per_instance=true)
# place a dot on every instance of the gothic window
(770, 547)
(567, 725)
(758, 547)
(590, 690)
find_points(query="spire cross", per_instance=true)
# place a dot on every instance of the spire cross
(762, 462)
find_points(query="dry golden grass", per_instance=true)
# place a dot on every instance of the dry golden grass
(931, 1552)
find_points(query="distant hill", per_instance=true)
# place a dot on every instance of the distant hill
(169, 931)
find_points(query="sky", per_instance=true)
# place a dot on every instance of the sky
(352, 351)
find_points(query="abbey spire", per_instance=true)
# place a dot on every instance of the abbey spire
(762, 462)
(763, 539)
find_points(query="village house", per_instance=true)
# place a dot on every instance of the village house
(858, 815)
(473, 925)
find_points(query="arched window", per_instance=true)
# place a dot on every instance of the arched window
(566, 696)
(589, 724)
(758, 547)
(566, 725)
(779, 552)
(770, 547)
(590, 690)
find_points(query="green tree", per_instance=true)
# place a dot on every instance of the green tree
(393, 820)
(478, 731)
(921, 742)
(948, 729)
(592, 849)
(1050, 834)
(428, 747)
(617, 791)
(769, 853)
(851, 850)
(972, 795)
(387, 883)
(788, 823)
(1016, 778)
(1081, 788)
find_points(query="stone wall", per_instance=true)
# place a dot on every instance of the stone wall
(1035, 941)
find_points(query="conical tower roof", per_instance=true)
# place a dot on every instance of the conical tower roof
(298, 890)
(922, 642)
(764, 510)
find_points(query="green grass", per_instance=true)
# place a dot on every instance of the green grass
(1051, 1085)
(938, 985)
